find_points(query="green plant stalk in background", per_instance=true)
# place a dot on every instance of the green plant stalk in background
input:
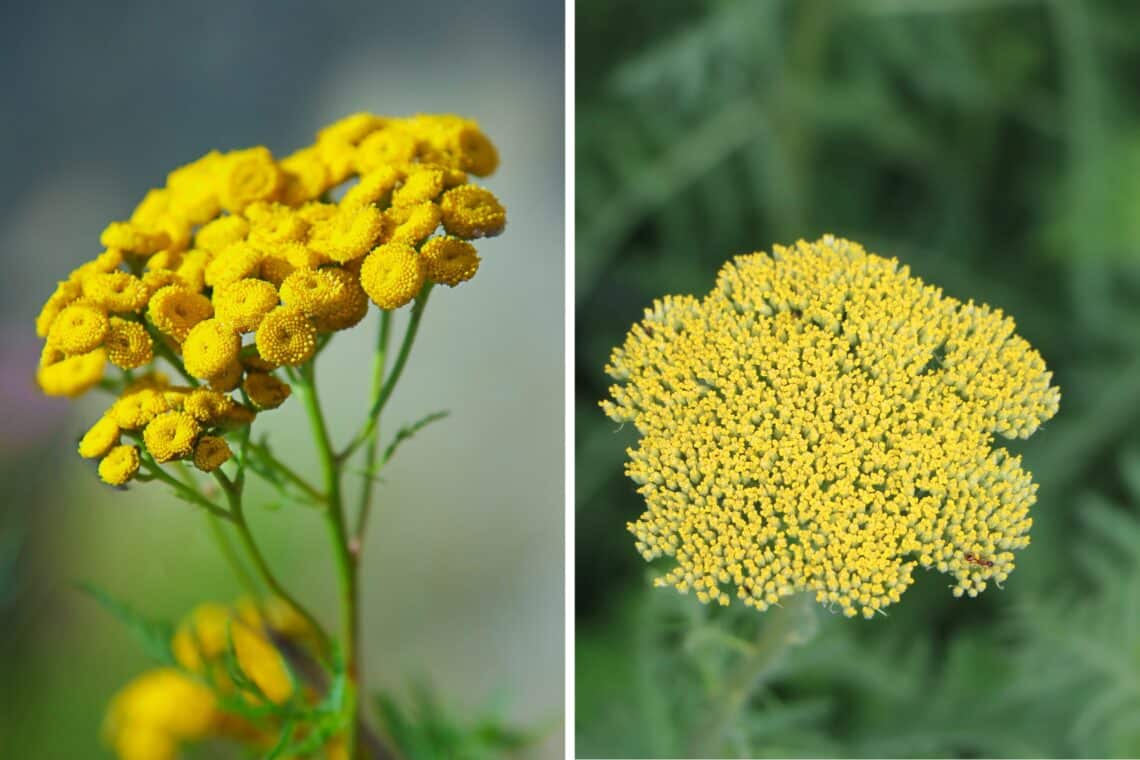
(783, 627)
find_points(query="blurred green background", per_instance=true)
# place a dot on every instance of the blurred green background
(993, 146)
(463, 577)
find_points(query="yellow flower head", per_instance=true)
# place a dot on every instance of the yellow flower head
(154, 206)
(205, 635)
(412, 225)
(135, 408)
(422, 185)
(305, 177)
(262, 663)
(351, 129)
(349, 234)
(347, 307)
(449, 261)
(74, 375)
(313, 291)
(175, 310)
(193, 188)
(119, 465)
(244, 303)
(78, 329)
(236, 261)
(265, 390)
(192, 270)
(211, 453)
(165, 259)
(134, 238)
(392, 145)
(373, 188)
(222, 232)
(228, 377)
(162, 708)
(472, 212)
(286, 337)
(459, 143)
(822, 421)
(100, 439)
(158, 279)
(128, 344)
(208, 406)
(248, 176)
(274, 223)
(116, 292)
(171, 436)
(211, 347)
(392, 275)
(65, 294)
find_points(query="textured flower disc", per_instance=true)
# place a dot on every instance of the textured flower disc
(823, 421)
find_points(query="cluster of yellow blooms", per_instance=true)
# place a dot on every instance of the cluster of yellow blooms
(823, 421)
(163, 709)
(242, 263)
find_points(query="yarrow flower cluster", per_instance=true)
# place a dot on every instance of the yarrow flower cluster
(162, 710)
(243, 264)
(822, 421)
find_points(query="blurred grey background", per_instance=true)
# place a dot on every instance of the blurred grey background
(464, 567)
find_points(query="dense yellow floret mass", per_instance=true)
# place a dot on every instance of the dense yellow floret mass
(242, 243)
(824, 422)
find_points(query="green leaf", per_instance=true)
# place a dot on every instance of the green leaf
(423, 727)
(154, 635)
(407, 431)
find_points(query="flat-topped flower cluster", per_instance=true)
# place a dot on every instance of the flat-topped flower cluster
(242, 264)
(822, 421)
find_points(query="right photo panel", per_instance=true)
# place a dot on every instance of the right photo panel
(857, 379)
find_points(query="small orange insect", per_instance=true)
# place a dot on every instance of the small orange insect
(978, 560)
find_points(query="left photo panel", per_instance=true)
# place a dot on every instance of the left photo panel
(282, 464)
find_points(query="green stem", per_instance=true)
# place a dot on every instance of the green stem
(226, 547)
(379, 364)
(289, 473)
(155, 471)
(783, 627)
(233, 496)
(222, 540)
(397, 369)
(345, 560)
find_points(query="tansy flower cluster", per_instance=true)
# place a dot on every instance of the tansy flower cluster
(243, 264)
(162, 710)
(822, 421)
